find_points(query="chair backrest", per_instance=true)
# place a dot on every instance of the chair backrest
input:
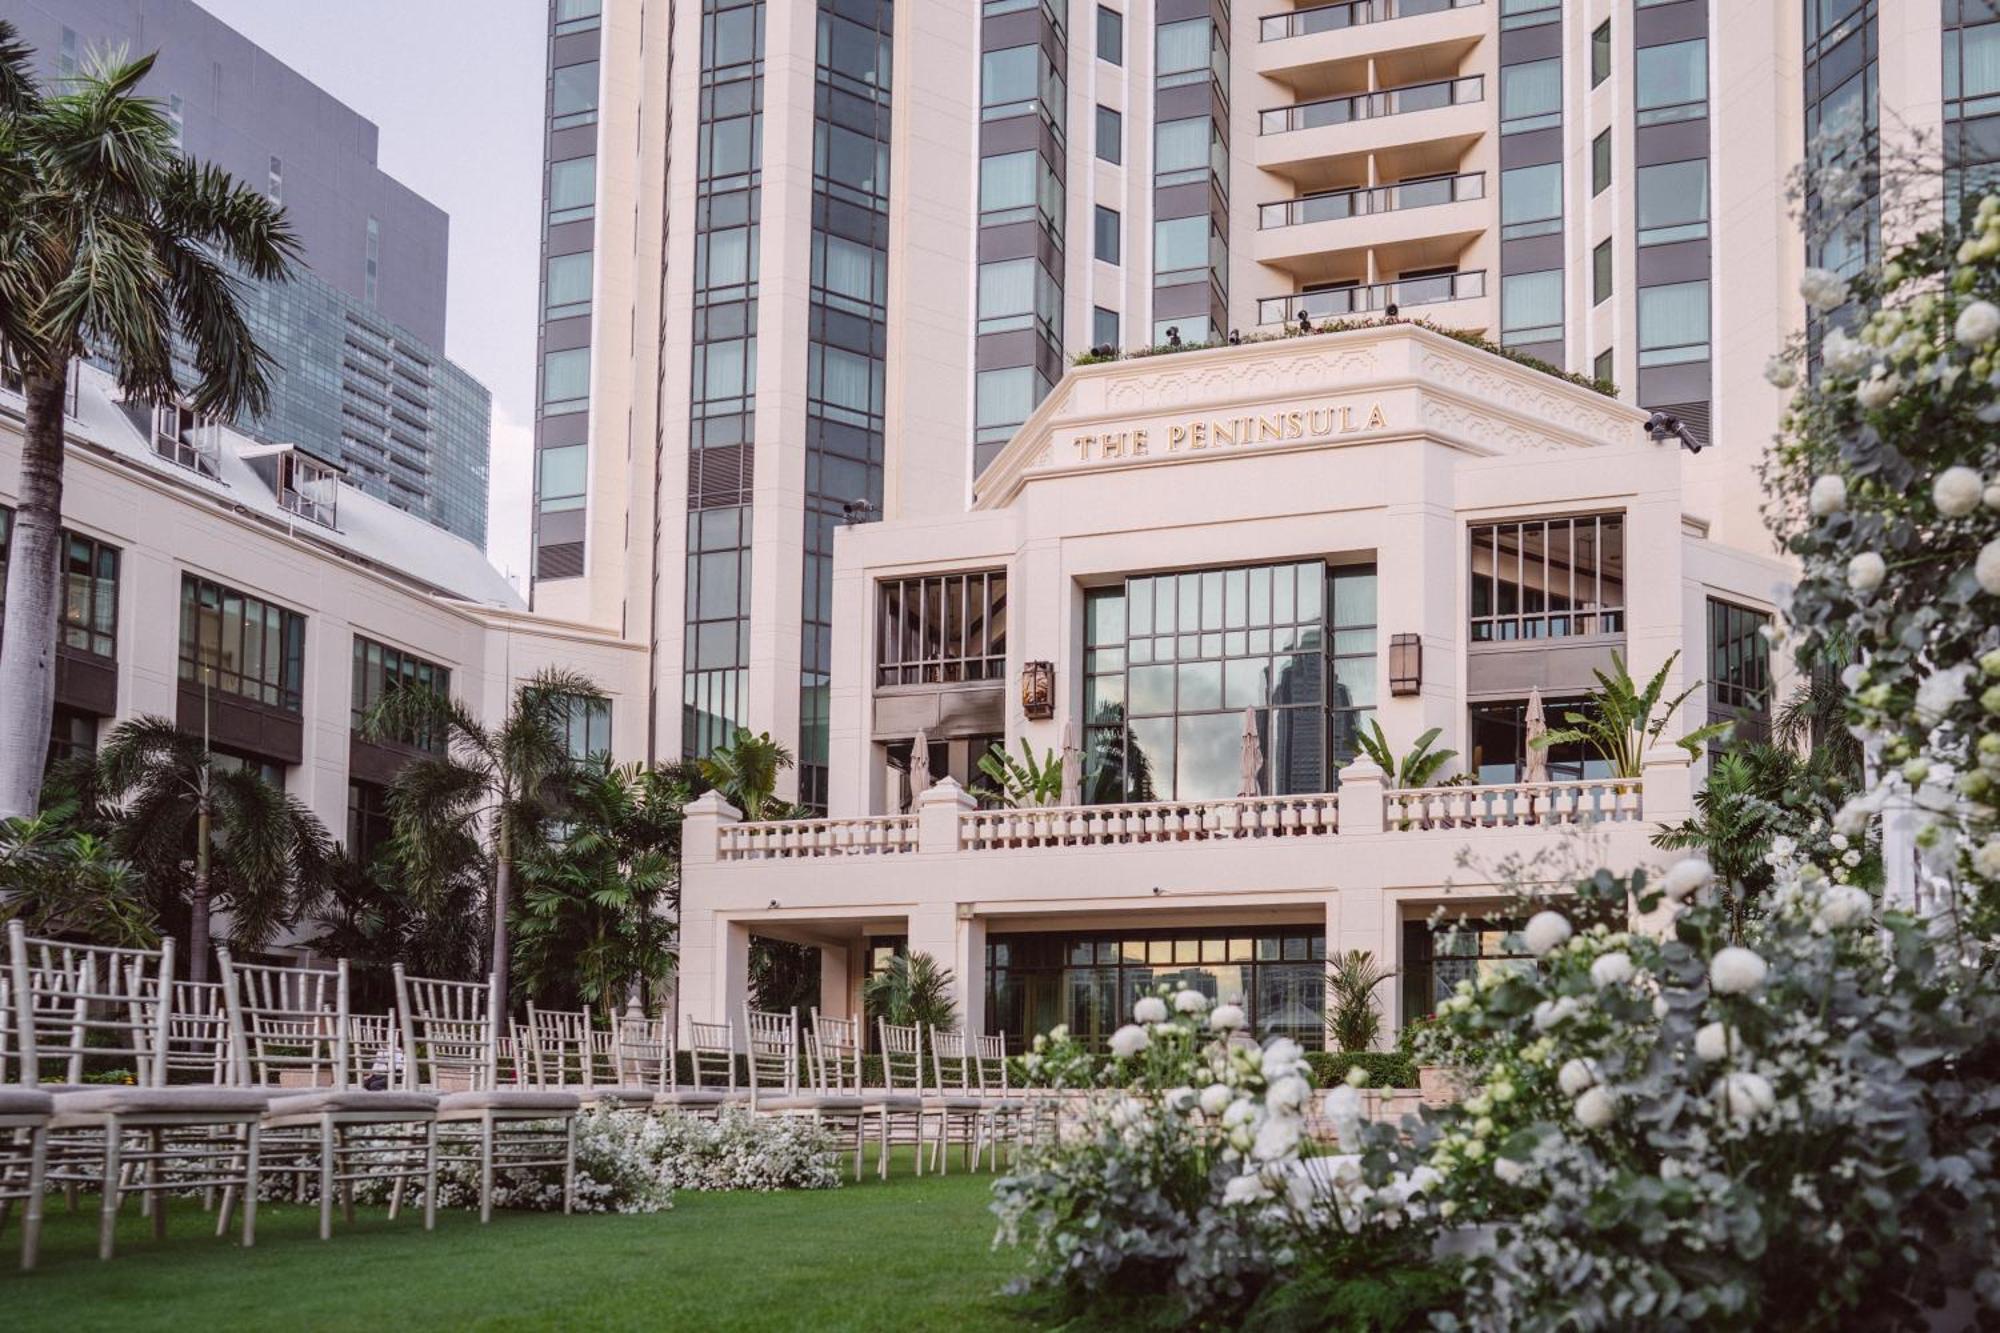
(836, 1053)
(772, 1045)
(74, 1002)
(198, 1032)
(449, 1040)
(989, 1063)
(951, 1068)
(712, 1052)
(288, 1025)
(375, 1047)
(560, 1051)
(642, 1054)
(902, 1056)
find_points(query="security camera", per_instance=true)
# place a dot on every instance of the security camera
(1663, 426)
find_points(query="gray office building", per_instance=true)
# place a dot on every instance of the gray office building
(359, 334)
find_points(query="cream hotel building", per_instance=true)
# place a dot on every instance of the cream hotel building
(814, 454)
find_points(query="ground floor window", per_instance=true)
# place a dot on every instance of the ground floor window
(72, 735)
(1439, 955)
(368, 824)
(1089, 981)
(955, 758)
(232, 761)
(1499, 733)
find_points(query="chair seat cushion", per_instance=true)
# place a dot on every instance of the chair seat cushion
(25, 1101)
(625, 1096)
(179, 1100)
(354, 1101)
(892, 1101)
(951, 1103)
(508, 1099)
(689, 1097)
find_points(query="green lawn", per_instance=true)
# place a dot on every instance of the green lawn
(906, 1254)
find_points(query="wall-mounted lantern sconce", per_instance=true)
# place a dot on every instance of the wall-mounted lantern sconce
(1038, 690)
(1406, 664)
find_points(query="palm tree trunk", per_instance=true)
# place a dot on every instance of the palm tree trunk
(198, 898)
(28, 645)
(503, 892)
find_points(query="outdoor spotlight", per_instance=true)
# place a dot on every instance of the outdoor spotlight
(1305, 322)
(1663, 426)
(1390, 310)
(1235, 338)
(1173, 335)
(773, 907)
(856, 511)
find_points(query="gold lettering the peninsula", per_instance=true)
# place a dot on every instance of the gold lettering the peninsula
(1195, 433)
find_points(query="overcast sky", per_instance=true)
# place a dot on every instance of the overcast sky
(456, 86)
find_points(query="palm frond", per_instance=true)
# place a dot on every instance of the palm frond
(18, 92)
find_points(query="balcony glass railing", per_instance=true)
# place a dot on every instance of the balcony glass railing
(1337, 204)
(1349, 14)
(1343, 302)
(1368, 106)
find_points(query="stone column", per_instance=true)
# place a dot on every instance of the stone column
(710, 984)
(1360, 798)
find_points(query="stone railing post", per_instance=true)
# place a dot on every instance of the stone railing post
(938, 809)
(1359, 799)
(1666, 786)
(702, 823)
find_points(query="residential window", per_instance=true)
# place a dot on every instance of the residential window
(1110, 36)
(1739, 658)
(1089, 981)
(241, 645)
(1672, 82)
(1003, 399)
(586, 727)
(573, 98)
(1600, 163)
(1499, 733)
(1531, 201)
(1531, 307)
(1673, 323)
(1600, 53)
(371, 261)
(1107, 247)
(568, 291)
(1186, 249)
(562, 476)
(1188, 151)
(185, 440)
(577, 15)
(1018, 81)
(379, 670)
(1673, 202)
(1530, 96)
(1104, 328)
(1548, 578)
(566, 380)
(1110, 136)
(1600, 272)
(1189, 51)
(89, 587)
(275, 181)
(947, 629)
(1529, 13)
(1972, 66)
(1007, 187)
(1605, 366)
(1018, 294)
(369, 827)
(308, 487)
(1173, 661)
(572, 189)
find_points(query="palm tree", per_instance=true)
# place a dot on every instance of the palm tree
(600, 905)
(479, 805)
(111, 241)
(177, 807)
(1353, 1016)
(912, 988)
(746, 771)
(1624, 719)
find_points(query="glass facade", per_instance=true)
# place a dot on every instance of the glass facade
(368, 824)
(942, 630)
(1089, 981)
(723, 393)
(1173, 661)
(1436, 957)
(1499, 732)
(847, 346)
(1739, 669)
(586, 728)
(1548, 578)
(378, 669)
(89, 589)
(241, 645)
(1971, 100)
(1842, 116)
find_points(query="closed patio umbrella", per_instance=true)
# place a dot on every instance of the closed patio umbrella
(1536, 766)
(1072, 766)
(1253, 757)
(920, 765)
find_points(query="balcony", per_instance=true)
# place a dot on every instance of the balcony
(1298, 141)
(1350, 14)
(1432, 223)
(1370, 106)
(1346, 302)
(1334, 205)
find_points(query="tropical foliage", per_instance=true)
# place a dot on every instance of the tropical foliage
(1353, 1013)
(1417, 766)
(62, 881)
(911, 989)
(1623, 719)
(746, 773)
(1024, 782)
(111, 242)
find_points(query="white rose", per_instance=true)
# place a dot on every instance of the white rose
(1613, 969)
(1238, 1113)
(1957, 490)
(1822, 288)
(1977, 324)
(1282, 1056)
(1877, 391)
(1546, 931)
(1843, 904)
(1712, 1042)
(1844, 356)
(1577, 1075)
(1152, 1009)
(1987, 568)
(1287, 1094)
(1508, 1170)
(1343, 1104)
(1215, 1099)
(1686, 877)
(1596, 1108)
(1129, 1041)
(1939, 691)
(1987, 859)
(1190, 1002)
(1277, 1137)
(1990, 497)
(1551, 1012)
(1736, 971)
(1743, 1095)
(1245, 1189)
(1828, 495)
(1226, 1017)
(1780, 372)
(1866, 571)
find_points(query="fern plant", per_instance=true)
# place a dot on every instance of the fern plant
(1415, 768)
(1353, 1016)
(1026, 781)
(912, 988)
(1625, 719)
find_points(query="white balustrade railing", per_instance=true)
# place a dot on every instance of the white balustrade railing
(794, 839)
(1512, 805)
(1153, 821)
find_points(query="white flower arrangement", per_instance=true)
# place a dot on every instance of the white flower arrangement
(1823, 289)
(1227, 1017)
(1576, 1075)
(1736, 970)
(1546, 932)
(1743, 1095)
(1957, 491)
(1129, 1041)
(1866, 571)
(1611, 969)
(1828, 495)
(1978, 324)
(1714, 1042)
(1151, 1009)
(1190, 1002)
(1596, 1108)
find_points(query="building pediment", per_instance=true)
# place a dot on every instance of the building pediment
(1321, 391)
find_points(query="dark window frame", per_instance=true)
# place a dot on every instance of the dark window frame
(284, 689)
(958, 635)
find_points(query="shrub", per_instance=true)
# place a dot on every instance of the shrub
(741, 1151)
(1385, 1069)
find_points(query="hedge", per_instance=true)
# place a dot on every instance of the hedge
(1386, 1069)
